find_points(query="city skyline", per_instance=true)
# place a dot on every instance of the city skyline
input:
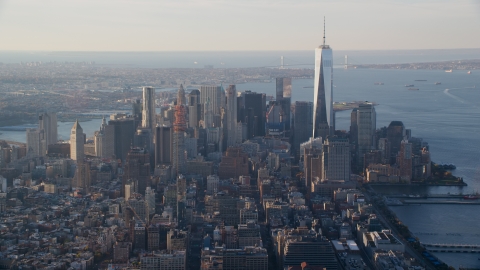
(387, 25)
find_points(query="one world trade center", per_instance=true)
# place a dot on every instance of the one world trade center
(323, 118)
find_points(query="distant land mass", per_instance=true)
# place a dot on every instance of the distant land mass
(471, 64)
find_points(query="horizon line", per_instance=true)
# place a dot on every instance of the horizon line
(159, 51)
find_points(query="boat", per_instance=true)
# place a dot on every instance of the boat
(471, 197)
(437, 83)
(409, 85)
(412, 88)
(469, 72)
(449, 71)
(378, 83)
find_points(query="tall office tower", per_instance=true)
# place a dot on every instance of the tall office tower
(143, 138)
(207, 114)
(163, 145)
(137, 168)
(214, 93)
(36, 141)
(323, 95)
(222, 143)
(366, 126)
(405, 161)
(99, 139)
(303, 123)
(137, 112)
(179, 127)
(181, 96)
(384, 148)
(395, 135)
(275, 119)
(48, 122)
(77, 141)
(123, 129)
(193, 97)
(283, 97)
(253, 112)
(194, 108)
(312, 166)
(191, 147)
(231, 94)
(283, 88)
(336, 159)
(181, 201)
(82, 178)
(354, 127)
(150, 199)
(148, 113)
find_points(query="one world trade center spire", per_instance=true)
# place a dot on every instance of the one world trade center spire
(323, 118)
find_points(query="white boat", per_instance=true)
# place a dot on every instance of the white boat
(469, 72)
(449, 70)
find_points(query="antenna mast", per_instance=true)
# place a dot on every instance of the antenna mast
(323, 30)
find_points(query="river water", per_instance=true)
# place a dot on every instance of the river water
(447, 116)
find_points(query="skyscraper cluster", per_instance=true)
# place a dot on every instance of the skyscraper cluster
(46, 134)
(219, 178)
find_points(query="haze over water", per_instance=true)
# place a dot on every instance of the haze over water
(236, 59)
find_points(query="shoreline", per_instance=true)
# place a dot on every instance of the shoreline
(419, 185)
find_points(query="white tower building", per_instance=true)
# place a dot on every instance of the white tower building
(323, 122)
(148, 112)
(77, 140)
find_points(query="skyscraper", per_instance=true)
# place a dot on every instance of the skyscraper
(214, 93)
(303, 120)
(148, 113)
(253, 113)
(137, 169)
(366, 126)
(323, 96)
(36, 141)
(395, 135)
(231, 121)
(336, 159)
(48, 122)
(179, 127)
(283, 97)
(208, 114)
(194, 108)
(82, 177)
(123, 130)
(163, 145)
(283, 88)
(77, 140)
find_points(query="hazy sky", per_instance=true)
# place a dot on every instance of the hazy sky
(197, 25)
